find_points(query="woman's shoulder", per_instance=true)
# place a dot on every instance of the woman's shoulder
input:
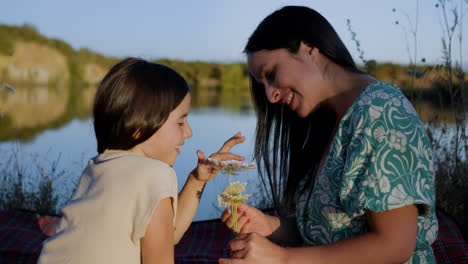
(379, 92)
(379, 103)
(378, 97)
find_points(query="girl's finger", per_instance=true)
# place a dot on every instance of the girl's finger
(236, 139)
(201, 156)
(226, 156)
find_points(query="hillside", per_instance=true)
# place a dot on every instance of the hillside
(27, 57)
(55, 83)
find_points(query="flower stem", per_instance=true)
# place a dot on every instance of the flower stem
(230, 177)
(234, 214)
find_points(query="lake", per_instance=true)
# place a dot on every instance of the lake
(48, 131)
(74, 143)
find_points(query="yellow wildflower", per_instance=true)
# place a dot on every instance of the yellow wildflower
(232, 195)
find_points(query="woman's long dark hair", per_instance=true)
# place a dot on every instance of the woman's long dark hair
(288, 148)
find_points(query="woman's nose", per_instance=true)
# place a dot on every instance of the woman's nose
(272, 93)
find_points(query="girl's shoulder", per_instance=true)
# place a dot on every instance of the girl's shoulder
(128, 160)
(123, 168)
(126, 177)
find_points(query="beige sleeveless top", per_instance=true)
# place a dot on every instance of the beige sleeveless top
(110, 210)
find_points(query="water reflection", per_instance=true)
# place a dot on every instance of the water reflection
(34, 109)
(44, 124)
(72, 145)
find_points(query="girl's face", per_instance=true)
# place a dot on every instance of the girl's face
(291, 79)
(164, 145)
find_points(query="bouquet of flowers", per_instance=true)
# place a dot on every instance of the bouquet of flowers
(232, 195)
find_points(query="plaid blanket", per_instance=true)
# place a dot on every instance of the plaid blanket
(22, 233)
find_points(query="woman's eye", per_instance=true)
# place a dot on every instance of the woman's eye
(271, 76)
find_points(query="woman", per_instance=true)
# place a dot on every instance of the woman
(345, 152)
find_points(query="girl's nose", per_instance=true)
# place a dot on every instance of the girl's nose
(272, 93)
(188, 131)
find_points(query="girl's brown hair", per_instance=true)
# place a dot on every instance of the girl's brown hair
(136, 95)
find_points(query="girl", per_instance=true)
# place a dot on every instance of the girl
(345, 152)
(126, 208)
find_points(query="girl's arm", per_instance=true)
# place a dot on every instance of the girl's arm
(157, 246)
(392, 239)
(191, 193)
(187, 204)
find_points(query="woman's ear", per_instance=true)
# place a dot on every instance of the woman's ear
(308, 48)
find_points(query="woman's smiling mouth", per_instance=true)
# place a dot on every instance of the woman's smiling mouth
(287, 99)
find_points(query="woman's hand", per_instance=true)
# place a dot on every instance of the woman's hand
(250, 219)
(205, 171)
(254, 248)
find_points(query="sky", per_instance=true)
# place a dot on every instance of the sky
(217, 30)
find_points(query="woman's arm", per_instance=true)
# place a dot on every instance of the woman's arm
(279, 230)
(157, 246)
(286, 234)
(392, 239)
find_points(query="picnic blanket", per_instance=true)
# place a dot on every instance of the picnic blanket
(22, 234)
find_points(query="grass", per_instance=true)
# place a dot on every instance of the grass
(451, 170)
(29, 187)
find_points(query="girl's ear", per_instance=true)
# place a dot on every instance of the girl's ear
(137, 133)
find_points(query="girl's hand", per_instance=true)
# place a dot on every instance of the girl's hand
(249, 219)
(254, 248)
(205, 171)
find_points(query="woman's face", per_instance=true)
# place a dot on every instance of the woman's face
(291, 79)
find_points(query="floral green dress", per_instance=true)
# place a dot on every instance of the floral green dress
(380, 159)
